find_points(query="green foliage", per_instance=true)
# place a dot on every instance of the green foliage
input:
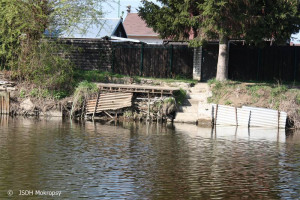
(170, 100)
(253, 21)
(91, 76)
(136, 79)
(228, 102)
(180, 96)
(280, 89)
(211, 81)
(30, 57)
(22, 93)
(95, 75)
(48, 69)
(34, 92)
(22, 24)
(83, 91)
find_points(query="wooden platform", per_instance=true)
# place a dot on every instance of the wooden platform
(136, 88)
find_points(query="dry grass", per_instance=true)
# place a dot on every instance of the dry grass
(274, 96)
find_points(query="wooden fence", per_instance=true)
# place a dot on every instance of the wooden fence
(272, 63)
(89, 54)
(160, 61)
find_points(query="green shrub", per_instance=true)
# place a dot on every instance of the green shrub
(83, 91)
(180, 96)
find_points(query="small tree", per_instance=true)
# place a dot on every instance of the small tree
(23, 23)
(22, 27)
(223, 20)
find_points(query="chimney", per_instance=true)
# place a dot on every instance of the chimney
(128, 8)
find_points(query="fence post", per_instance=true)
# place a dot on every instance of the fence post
(171, 58)
(142, 60)
(113, 59)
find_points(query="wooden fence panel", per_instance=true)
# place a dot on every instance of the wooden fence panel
(273, 63)
(209, 61)
(182, 62)
(159, 61)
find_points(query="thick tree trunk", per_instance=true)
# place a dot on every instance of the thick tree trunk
(222, 67)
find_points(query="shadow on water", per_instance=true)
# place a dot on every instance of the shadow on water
(135, 160)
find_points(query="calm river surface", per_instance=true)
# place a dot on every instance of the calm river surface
(140, 161)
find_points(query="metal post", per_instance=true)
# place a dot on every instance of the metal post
(236, 117)
(113, 59)
(142, 60)
(278, 119)
(171, 58)
(148, 111)
(249, 121)
(216, 115)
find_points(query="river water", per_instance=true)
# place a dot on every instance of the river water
(105, 160)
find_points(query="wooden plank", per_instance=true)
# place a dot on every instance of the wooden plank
(121, 87)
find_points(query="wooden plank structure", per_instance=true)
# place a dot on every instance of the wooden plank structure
(108, 101)
(136, 88)
(4, 102)
(117, 96)
(7, 86)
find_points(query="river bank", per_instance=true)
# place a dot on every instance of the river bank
(31, 100)
(282, 97)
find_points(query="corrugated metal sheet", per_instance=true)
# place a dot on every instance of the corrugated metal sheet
(248, 116)
(243, 117)
(266, 117)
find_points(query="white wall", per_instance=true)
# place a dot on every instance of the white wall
(148, 40)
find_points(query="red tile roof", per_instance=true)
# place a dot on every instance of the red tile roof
(135, 26)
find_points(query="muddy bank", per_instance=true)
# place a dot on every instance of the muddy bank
(30, 100)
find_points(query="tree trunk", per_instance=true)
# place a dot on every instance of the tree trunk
(222, 67)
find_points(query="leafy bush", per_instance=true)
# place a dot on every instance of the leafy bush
(180, 96)
(48, 67)
(83, 91)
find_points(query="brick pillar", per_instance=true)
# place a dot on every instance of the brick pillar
(197, 63)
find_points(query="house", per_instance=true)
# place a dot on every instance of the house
(106, 27)
(136, 28)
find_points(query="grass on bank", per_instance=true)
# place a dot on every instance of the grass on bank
(105, 76)
(278, 96)
(274, 93)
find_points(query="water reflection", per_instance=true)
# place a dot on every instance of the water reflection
(147, 161)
